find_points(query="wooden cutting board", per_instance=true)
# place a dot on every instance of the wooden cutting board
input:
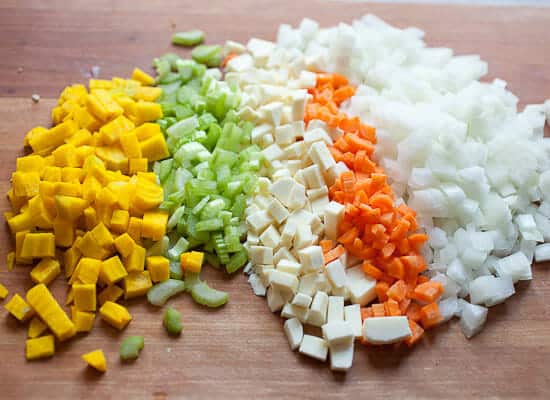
(240, 351)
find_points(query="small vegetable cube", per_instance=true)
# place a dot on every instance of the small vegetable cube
(110, 293)
(135, 262)
(63, 230)
(124, 244)
(3, 292)
(36, 328)
(31, 163)
(21, 222)
(19, 238)
(71, 257)
(41, 347)
(143, 77)
(52, 174)
(147, 130)
(46, 271)
(148, 111)
(134, 228)
(90, 217)
(87, 270)
(101, 104)
(84, 296)
(115, 315)
(159, 268)
(47, 308)
(38, 245)
(112, 131)
(119, 221)
(130, 145)
(147, 93)
(65, 156)
(82, 136)
(153, 225)
(154, 148)
(83, 321)
(25, 184)
(112, 270)
(192, 261)
(103, 236)
(19, 308)
(137, 284)
(69, 207)
(136, 165)
(96, 360)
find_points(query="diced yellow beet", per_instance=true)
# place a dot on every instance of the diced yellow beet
(71, 257)
(115, 315)
(147, 111)
(159, 268)
(136, 165)
(36, 328)
(119, 221)
(137, 284)
(110, 293)
(153, 225)
(25, 184)
(84, 296)
(101, 104)
(143, 77)
(31, 163)
(96, 360)
(111, 132)
(38, 245)
(134, 228)
(88, 270)
(41, 347)
(154, 148)
(47, 308)
(192, 261)
(124, 244)
(112, 271)
(83, 321)
(130, 145)
(147, 93)
(3, 292)
(63, 230)
(45, 271)
(19, 308)
(135, 262)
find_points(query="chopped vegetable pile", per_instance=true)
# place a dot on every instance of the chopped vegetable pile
(379, 198)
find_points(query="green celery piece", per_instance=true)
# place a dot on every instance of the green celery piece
(180, 247)
(159, 294)
(191, 279)
(172, 321)
(206, 296)
(212, 259)
(210, 55)
(131, 347)
(175, 217)
(175, 270)
(188, 38)
(209, 225)
(237, 261)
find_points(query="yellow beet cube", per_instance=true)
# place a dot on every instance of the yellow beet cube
(63, 230)
(148, 194)
(38, 245)
(72, 174)
(114, 157)
(36, 328)
(147, 93)
(69, 208)
(65, 156)
(130, 145)
(31, 163)
(103, 236)
(135, 262)
(154, 148)
(19, 238)
(147, 130)
(111, 132)
(110, 293)
(119, 221)
(34, 131)
(101, 104)
(124, 244)
(82, 136)
(136, 165)
(42, 217)
(134, 228)
(3, 292)
(153, 225)
(45, 271)
(47, 308)
(25, 184)
(96, 360)
(89, 247)
(143, 77)
(87, 270)
(68, 189)
(19, 308)
(192, 261)
(52, 174)
(148, 111)
(95, 84)
(90, 218)
(112, 271)
(83, 321)
(41, 347)
(21, 222)
(159, 268)
(137, 284)
(43, 141)
(71, 257)
(115, 315)
(84, 296)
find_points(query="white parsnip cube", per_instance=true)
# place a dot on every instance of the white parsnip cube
(321, 156)
(271, 237)
(302, 300)
(284, 281)
(335, 310)
(385, 330)
(260, 255)
(341, 356)
(338, 332)
(294, 332)
(352, 315)
(333, 214)
(314, 347)
(311, 258)
(291, 267)
(258, 221)
(275, 299)
(317, 315)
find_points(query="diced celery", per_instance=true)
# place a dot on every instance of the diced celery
(206, 296)
(180, 247)
(237, 261)
(189, 38)
(175, 270)
(209, 225)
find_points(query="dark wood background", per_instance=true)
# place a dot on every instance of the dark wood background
(240, 351)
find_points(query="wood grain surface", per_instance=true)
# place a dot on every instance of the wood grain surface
(240, 351)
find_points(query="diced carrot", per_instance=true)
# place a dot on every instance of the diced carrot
(339, 80)
(343, 93)
(378, 310)
(414, 263)
(327, 245)
(366, 312)
(422, 279)
(398, 291)
(430, 315)
(404, 305)
(333, 254)
(395, 268)
(349, 236)
(372, 271)
(413, 312)
(391, 308)
(428, 292)
(381, 289)
(416, 333)
(416, 240)
(388, 250)
(368, 132)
